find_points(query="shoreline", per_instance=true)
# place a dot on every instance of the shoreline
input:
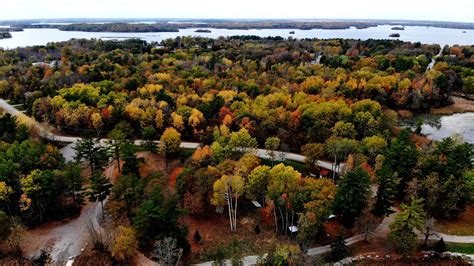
(459, 105)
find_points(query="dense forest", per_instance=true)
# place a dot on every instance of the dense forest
(196, 84)
(331, 100)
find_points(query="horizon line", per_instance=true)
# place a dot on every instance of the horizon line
(236, 19)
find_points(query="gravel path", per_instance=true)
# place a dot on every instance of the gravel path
(62, 240)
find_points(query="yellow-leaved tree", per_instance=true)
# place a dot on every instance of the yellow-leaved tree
(170, 140)
(227, 190)
(125, 244)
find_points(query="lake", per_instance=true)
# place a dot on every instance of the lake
(429, 35)
(438, 127)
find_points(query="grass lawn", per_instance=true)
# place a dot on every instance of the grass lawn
(460, 248)
(463, 226)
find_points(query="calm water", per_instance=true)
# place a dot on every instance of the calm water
(439, 127)
(414, 34)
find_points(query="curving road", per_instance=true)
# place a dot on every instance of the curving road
(47, 134)
(433, 60)
(453, 238)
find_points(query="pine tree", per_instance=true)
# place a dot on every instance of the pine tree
(74, 183)
(99, 189)
(401, 157)
(339, 249)
(352, 195)
(149, 136)
(386, 193)
(117, 136)
(92, 151)
(131, 162)
(402, 230)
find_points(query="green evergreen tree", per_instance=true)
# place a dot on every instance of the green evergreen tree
(339, 249)
(131, 162)
(352, 195)
(74, 183)
(402, 230)
(402, 156)
(386, 192)
(128, 189)
(99, 189)
(92, 151)
(157, 217)
(149, 137)
(117, 137)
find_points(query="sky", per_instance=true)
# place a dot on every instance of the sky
(459, 11)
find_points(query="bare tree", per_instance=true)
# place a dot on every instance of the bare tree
(166, 251)
(428, 230)
(100, 240)
(367, 222)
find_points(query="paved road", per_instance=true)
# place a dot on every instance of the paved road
(433, 60)
(453, 238)
(47, 134)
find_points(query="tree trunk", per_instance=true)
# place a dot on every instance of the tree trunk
(427, 236)
(282, 217)
(229, 207)
(74, 200)
(117, 157)
(276, 219)
(235, 214)
(102, 206)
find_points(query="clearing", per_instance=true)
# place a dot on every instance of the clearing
(460, 105)
(463, 226)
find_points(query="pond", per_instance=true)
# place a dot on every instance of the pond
(437, 127)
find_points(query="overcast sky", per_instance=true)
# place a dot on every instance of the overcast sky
(460, 10)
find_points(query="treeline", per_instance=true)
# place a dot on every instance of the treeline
(119, 27)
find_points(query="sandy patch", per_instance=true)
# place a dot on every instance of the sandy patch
(460, 105)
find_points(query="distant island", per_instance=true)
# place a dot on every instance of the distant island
(107, 27)
(170, 25)
(394, 35)
(5, 35)
(203, 30)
